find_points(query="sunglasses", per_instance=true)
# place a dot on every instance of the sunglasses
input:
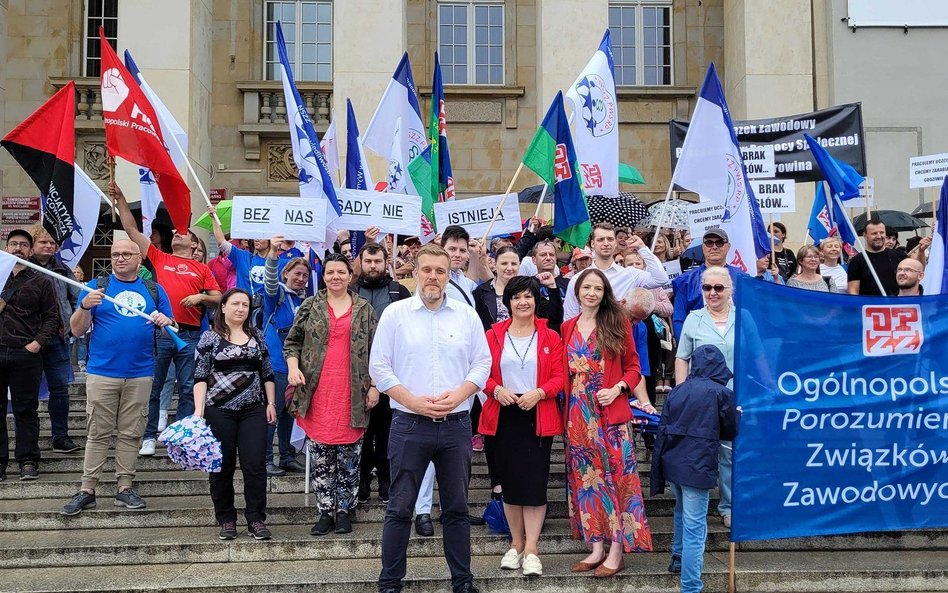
(714, 287)
(713, 243)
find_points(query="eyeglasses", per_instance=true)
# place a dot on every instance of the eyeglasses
(125, 255)
(714, 287)
(714, 243)
(18, 244)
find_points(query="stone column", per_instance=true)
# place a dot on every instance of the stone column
(369, 38)
(768, 53)
(568, 32)
(176, 62)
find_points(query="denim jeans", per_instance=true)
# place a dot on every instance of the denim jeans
(725, 465)
(413, 443)
(57, 367)
(691, 529)
(167, 390)
(284, 424)
(82, 349)
(184, 373)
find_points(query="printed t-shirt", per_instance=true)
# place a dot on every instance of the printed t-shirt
(182, 277)
(123, 344)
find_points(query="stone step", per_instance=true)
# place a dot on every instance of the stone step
(196, 510)
(812, 572)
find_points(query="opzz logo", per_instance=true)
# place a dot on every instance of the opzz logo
(890, 330)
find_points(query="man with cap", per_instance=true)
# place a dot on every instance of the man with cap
(29, 320)
(687, 287)
(582, 258)
(405, 265)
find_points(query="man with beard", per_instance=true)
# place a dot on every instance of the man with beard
(29, 321)
(908, 277)
(884, 261)
(376, 286)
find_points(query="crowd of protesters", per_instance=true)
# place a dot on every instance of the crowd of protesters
(398, 367)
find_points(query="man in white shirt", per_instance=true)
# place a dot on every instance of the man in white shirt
(622, 280)
(430, 356)
(456, 242)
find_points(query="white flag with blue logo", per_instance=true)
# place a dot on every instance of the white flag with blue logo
(150, 195)
(398, 176)
(596, 122)
(711, 166)
(330, 146)
(315, 180)
(398, 102)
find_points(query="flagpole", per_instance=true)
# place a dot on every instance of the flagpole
(773, 254)
(866, 186)
(661, 218)
(111, 162)
(540, 203)
(501, 205)
(187, 161)
(83, 287)
(732, 584)
(862, 248)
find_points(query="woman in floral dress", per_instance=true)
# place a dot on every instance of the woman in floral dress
(603, 488)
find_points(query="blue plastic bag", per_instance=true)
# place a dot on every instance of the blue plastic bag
(495, 518)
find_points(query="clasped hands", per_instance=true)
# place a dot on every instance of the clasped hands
(525, 401)
(436, 406)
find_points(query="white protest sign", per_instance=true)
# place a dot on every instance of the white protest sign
(775, 195)
(759, 161)
(866, 192)
(474, 215)
(399, 214)
(928, 171)
(261, 217)
(703, 216)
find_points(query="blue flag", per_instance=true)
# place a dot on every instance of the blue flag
(552, 157)
(828, 222)
(858, 418)
(844, 181)
(356, 174)
(315, 180)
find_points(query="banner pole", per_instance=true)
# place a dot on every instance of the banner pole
(111, 162)
(394, 251)
(501, 205)
(862, 248)
(731, 580)
(187, 161)
(542, 196)
(661, 219)
(865, 185)
(773, 253)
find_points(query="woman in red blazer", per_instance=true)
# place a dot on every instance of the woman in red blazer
(522, 416)
(603, 487)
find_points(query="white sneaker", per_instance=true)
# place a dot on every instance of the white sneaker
(511, 560)
(162, 420)
(532, 567)
(148, 447)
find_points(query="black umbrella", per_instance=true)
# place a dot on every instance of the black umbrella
(624, 210)
(532, 195)
(895, 220)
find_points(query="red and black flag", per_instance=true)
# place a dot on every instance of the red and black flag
(45, 146)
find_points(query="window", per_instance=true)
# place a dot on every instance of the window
(471, 42)
(102, 13)
(307, 28)
(641, 42)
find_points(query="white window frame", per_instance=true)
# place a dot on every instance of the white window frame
(85, 32)
(296, 59)
(471, 32)
(639, 6)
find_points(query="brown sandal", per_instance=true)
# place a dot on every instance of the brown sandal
(604, 571)
(586, 566)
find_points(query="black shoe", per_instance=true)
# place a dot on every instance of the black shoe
(365, 490)
(343, 524)
(475, 520)
(258, 530)
(228, 530)
(129, 499)
(273, 471)
(293, 466)
(28, 471)
(3, 475)
(675, 566)
(323, 526)
(383, 492)
(468, 588)
(65, 445)
(423, 525)
(80, 501)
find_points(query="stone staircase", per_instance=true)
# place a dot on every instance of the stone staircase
(172, 545)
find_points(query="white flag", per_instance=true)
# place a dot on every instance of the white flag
(596, 122)
(87, 198)
(7, 262)
(330, 146)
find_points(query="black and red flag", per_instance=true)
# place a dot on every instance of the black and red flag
(45, 146)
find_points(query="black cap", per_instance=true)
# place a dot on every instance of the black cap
(21, 233)
(410, 240)
(716, 232)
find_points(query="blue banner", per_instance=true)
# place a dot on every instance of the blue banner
(845, 413)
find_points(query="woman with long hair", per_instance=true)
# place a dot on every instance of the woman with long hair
(521, 416)
(233, 390)
(327, 357)
(603, 488)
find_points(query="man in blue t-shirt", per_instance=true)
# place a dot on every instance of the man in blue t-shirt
(119, 373)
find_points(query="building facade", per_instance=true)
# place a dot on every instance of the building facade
(212, 62)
